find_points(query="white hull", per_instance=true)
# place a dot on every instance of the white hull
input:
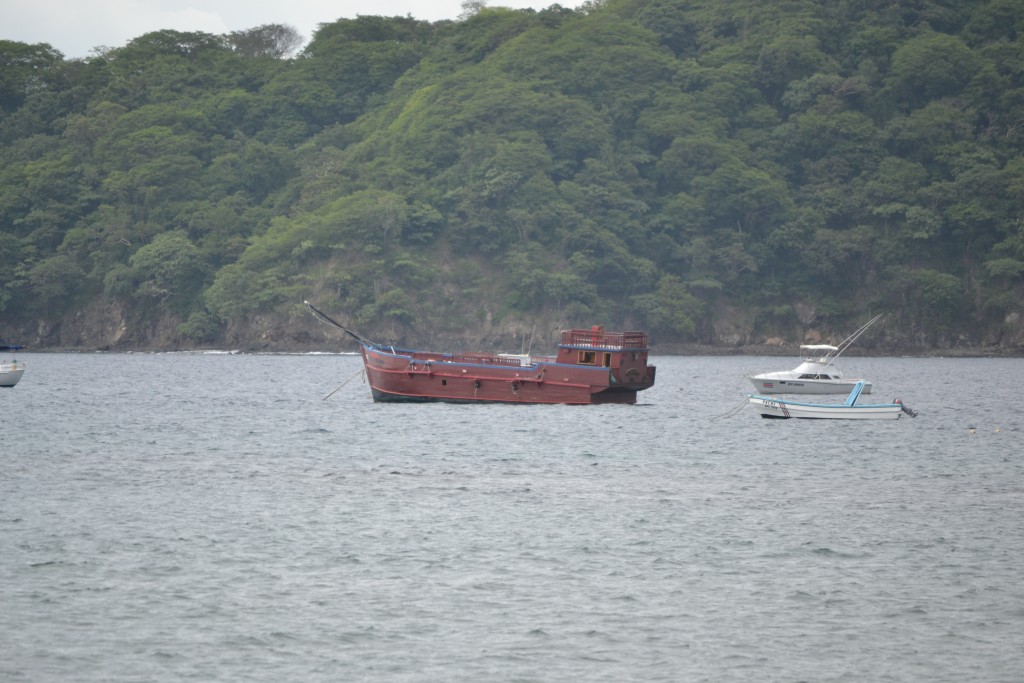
(772, 406)
(771, 383)
(10, 374)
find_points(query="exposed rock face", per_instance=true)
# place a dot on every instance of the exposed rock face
(110, 326)
(103, 325)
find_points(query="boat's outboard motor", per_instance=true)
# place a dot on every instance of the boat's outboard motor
(905, 408)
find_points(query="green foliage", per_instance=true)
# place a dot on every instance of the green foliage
(53, 281)
(670, 310)
(644, 160)
(347, 63)
(394, 305)
(119, 282)
(1008, 269)
(238, 292)
(932, 299)
(170, 263)
(789, 58)
(200, 327)
(270, 40)
(930, 67)
(26, 70)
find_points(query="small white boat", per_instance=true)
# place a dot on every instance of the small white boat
(816, 373)
(10, 370)
(774, 407)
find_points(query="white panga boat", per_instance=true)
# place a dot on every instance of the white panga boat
(817, 373)
(773, 406)
(10, 370)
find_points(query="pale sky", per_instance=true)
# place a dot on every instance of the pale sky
(75, 27)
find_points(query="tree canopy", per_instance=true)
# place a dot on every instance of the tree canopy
(636, 163)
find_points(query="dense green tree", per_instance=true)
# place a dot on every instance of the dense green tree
(789, 58)
(930, 67)
(169, 268)
(25, 70)
(269, 40)
(54, 282)
(670, 310)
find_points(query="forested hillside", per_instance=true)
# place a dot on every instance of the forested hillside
(716, 173)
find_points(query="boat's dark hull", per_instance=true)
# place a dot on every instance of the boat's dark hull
(404, 377)
(576, 397)
(628, 397)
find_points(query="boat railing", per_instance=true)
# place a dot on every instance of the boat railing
(471, 358)
(605, 340)
(484, 359)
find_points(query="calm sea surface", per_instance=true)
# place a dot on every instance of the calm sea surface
(211, 517)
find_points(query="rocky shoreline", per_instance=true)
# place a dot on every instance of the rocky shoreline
(110, 329)
(669, 349)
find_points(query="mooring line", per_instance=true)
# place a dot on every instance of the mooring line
(731, 412)
(344, 383)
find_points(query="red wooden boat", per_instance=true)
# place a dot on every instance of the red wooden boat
(592, 366)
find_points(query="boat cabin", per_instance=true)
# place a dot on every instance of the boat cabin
(623, 353)
(817, 358)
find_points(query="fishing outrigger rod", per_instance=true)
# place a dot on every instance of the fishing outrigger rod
(323, 317)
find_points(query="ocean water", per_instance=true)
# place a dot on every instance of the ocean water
(213, 517)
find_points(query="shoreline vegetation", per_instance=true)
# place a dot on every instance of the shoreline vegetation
(718, 174)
